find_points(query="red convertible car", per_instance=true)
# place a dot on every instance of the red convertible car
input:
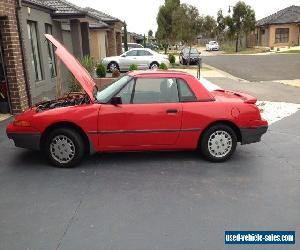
(142, 110)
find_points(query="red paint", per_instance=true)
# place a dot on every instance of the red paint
(144, 126)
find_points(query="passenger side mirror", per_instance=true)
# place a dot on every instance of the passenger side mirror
(116, 100)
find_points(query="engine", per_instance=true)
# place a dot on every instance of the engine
(72, 99)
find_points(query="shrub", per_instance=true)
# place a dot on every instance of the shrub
(101, 70)
(163, 66)
(88, 64)
(133, 67)
(115, 73)
(172, 58)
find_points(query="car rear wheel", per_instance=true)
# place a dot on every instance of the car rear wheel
(154, 65)
(218, 143)
(113, 66)
(64, 147)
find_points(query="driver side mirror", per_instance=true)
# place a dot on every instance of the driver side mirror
(116, 100)
(124, 55)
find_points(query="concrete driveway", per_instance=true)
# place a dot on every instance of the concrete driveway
(167, 200)
(258, 67)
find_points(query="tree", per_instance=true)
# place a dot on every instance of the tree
(209, 26)
(125, 37)
(242, 22)
(150, 33)
(187, 24)
(220, 24)
(144, 41)
(164, 20)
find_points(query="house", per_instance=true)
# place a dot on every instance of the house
(28, 66)
(105, 35)
(279, 29)
(133, 37)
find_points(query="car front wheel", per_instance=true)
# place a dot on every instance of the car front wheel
(113, 66)
(218, 143)
(154, 65)
(64, 147)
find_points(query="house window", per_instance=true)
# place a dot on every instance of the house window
(282, 35)
(35, 54)
(51, 57)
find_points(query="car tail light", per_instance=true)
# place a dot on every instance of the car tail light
(21, 123)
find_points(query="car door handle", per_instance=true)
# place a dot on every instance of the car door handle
(172, 111)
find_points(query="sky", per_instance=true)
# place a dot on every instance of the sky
(140, 15)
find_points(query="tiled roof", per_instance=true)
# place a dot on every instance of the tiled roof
(38, 3)
(63, 7)
(288, 15)
(100, 15)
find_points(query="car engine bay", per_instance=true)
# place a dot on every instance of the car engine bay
(71, 99)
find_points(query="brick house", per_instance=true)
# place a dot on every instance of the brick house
(280, 29)
(13, 81)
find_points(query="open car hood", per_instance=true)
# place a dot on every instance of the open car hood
(79, 72)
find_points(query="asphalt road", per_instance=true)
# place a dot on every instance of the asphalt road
(258, 67)
(167, 200)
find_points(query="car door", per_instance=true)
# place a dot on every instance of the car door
(130, 57)
(144, 59)
(149, 116)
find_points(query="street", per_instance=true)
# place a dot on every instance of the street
(258, 67)
(166, 200)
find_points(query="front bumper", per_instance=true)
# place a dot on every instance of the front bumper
(252, 135)
(26, 140)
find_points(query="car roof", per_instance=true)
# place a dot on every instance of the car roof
(157, 72)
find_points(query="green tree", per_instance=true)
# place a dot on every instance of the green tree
(209, 26)
(150, 33)
(220, 24)
(164, 20)
(187, 24)
(144, 41)
(242, 22)
(125, 37)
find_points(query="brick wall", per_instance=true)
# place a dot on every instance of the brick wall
(13, 56)
(111, 40)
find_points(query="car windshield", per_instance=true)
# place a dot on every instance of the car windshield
(213, 42)
(104, 95)
(193, 50)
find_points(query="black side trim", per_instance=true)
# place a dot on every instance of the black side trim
(144, 131)
(252, 135)
(26, 140)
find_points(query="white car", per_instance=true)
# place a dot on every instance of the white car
(144, 59)
(212, 45)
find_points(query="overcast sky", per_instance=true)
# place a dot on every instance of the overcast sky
(140, 15)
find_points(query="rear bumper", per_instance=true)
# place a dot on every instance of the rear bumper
(26, 140)
(252, 135)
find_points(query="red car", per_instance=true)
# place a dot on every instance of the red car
(143, 110)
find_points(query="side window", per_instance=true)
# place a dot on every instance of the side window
(144, 53)
(185, 93)
(126, 92)
(155, 90)
(131, 53)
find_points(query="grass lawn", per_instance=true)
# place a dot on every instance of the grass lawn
(180, 66)
(231, 50)
(290, 51)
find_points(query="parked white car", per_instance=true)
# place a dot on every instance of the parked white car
(212, 45)
(144, 59)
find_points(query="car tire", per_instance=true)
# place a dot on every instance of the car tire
(154, 65)
(64, 147)
(218, 143)
(112, 66)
